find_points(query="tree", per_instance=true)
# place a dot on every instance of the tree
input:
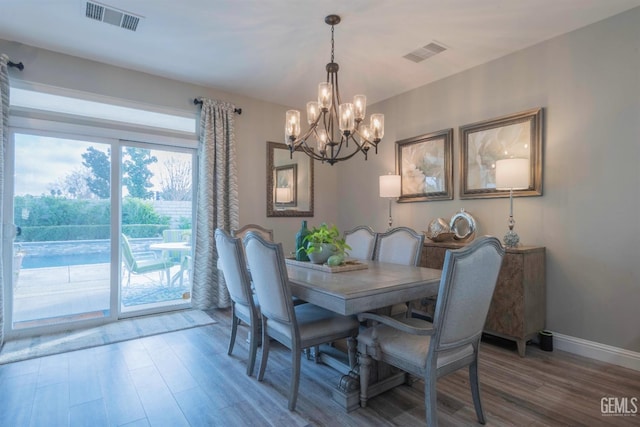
(175, 180)
(73, 185)
(136, 174)
(99, 181)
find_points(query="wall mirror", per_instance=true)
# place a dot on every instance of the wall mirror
(289, 182)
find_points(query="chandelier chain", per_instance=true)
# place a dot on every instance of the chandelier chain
(332, 44)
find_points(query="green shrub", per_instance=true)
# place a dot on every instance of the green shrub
(50, 218)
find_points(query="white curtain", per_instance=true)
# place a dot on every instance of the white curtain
(4, 139)
(217, 200)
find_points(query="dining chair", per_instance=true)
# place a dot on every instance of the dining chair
(266, 233)
(297, 327)
(400, 245)
(244, 306)
(432, 350)
(362, 241)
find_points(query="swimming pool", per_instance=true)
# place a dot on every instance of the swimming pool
(76, 252)
(35, 261)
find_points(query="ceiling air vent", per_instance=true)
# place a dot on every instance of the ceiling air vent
(425, 52)
(111, 15)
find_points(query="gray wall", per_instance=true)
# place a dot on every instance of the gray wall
(588, 82)
(259, 122)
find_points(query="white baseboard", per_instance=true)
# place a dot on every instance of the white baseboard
(597, 351)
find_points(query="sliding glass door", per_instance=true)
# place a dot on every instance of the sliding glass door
(62, 214)
(157, 210)
(91, 248)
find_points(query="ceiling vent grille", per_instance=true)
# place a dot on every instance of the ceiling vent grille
(424, 52)
(111, 15)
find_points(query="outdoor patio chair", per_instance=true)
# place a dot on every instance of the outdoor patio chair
(143, 262)
(173, 235)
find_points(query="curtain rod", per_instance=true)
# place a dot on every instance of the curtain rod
(19, 65)
(196, 101)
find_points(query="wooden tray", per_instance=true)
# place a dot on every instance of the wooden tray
(349, 265)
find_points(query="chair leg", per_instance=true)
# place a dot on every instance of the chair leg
(295, 377)
(265, 351)
(253, 348)
(365, 370)
(475, 390)
(430, 400)
(234, 330)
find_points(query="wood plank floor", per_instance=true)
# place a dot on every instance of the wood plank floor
(185, 378)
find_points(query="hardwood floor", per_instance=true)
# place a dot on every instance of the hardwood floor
(185, 378)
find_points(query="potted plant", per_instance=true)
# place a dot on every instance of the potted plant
(324, 242)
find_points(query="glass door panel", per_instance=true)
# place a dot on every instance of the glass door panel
(156, 222)
(62, 208)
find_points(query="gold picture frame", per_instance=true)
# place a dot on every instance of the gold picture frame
(483, 143)
(425, 165)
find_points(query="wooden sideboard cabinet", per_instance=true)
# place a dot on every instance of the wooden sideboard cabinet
(518, 307)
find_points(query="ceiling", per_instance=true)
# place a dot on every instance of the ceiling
(276, 50)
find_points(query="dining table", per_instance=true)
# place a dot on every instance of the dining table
(360, 286)
(184, 248)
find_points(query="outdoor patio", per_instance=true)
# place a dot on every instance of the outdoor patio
(42, 295)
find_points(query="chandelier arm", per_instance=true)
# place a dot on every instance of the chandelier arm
(308, 150)
(303, 138)
(336, 88)
(346, 157)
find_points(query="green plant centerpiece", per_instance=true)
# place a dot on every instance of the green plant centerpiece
(324, 244)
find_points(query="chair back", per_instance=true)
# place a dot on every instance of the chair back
(270, 280)
(400, 245)
(170, 236)
(127, 253)
(232, 263)
(469, 277)
(266, 233)
(362, 241)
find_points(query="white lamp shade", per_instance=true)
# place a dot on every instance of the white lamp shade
(283, 195)
(390, 185)
(512, 174)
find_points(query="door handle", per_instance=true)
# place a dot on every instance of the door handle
(18, 231)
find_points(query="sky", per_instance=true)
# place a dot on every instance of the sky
(41, 161)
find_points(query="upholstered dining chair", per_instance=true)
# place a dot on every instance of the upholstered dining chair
(362, 240)
(452, 341)
(400, 245)
(244, 306)
(266, 233)
(297, 327)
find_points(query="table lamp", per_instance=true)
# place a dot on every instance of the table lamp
(390, 188)
(512, 174)
(283, 195)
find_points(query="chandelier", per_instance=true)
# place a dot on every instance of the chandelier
(333, 124)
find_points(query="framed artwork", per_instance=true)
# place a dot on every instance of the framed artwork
(286, 191)
(425, 165)
(482, 144)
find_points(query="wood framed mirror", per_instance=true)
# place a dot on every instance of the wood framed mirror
(289, 182)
